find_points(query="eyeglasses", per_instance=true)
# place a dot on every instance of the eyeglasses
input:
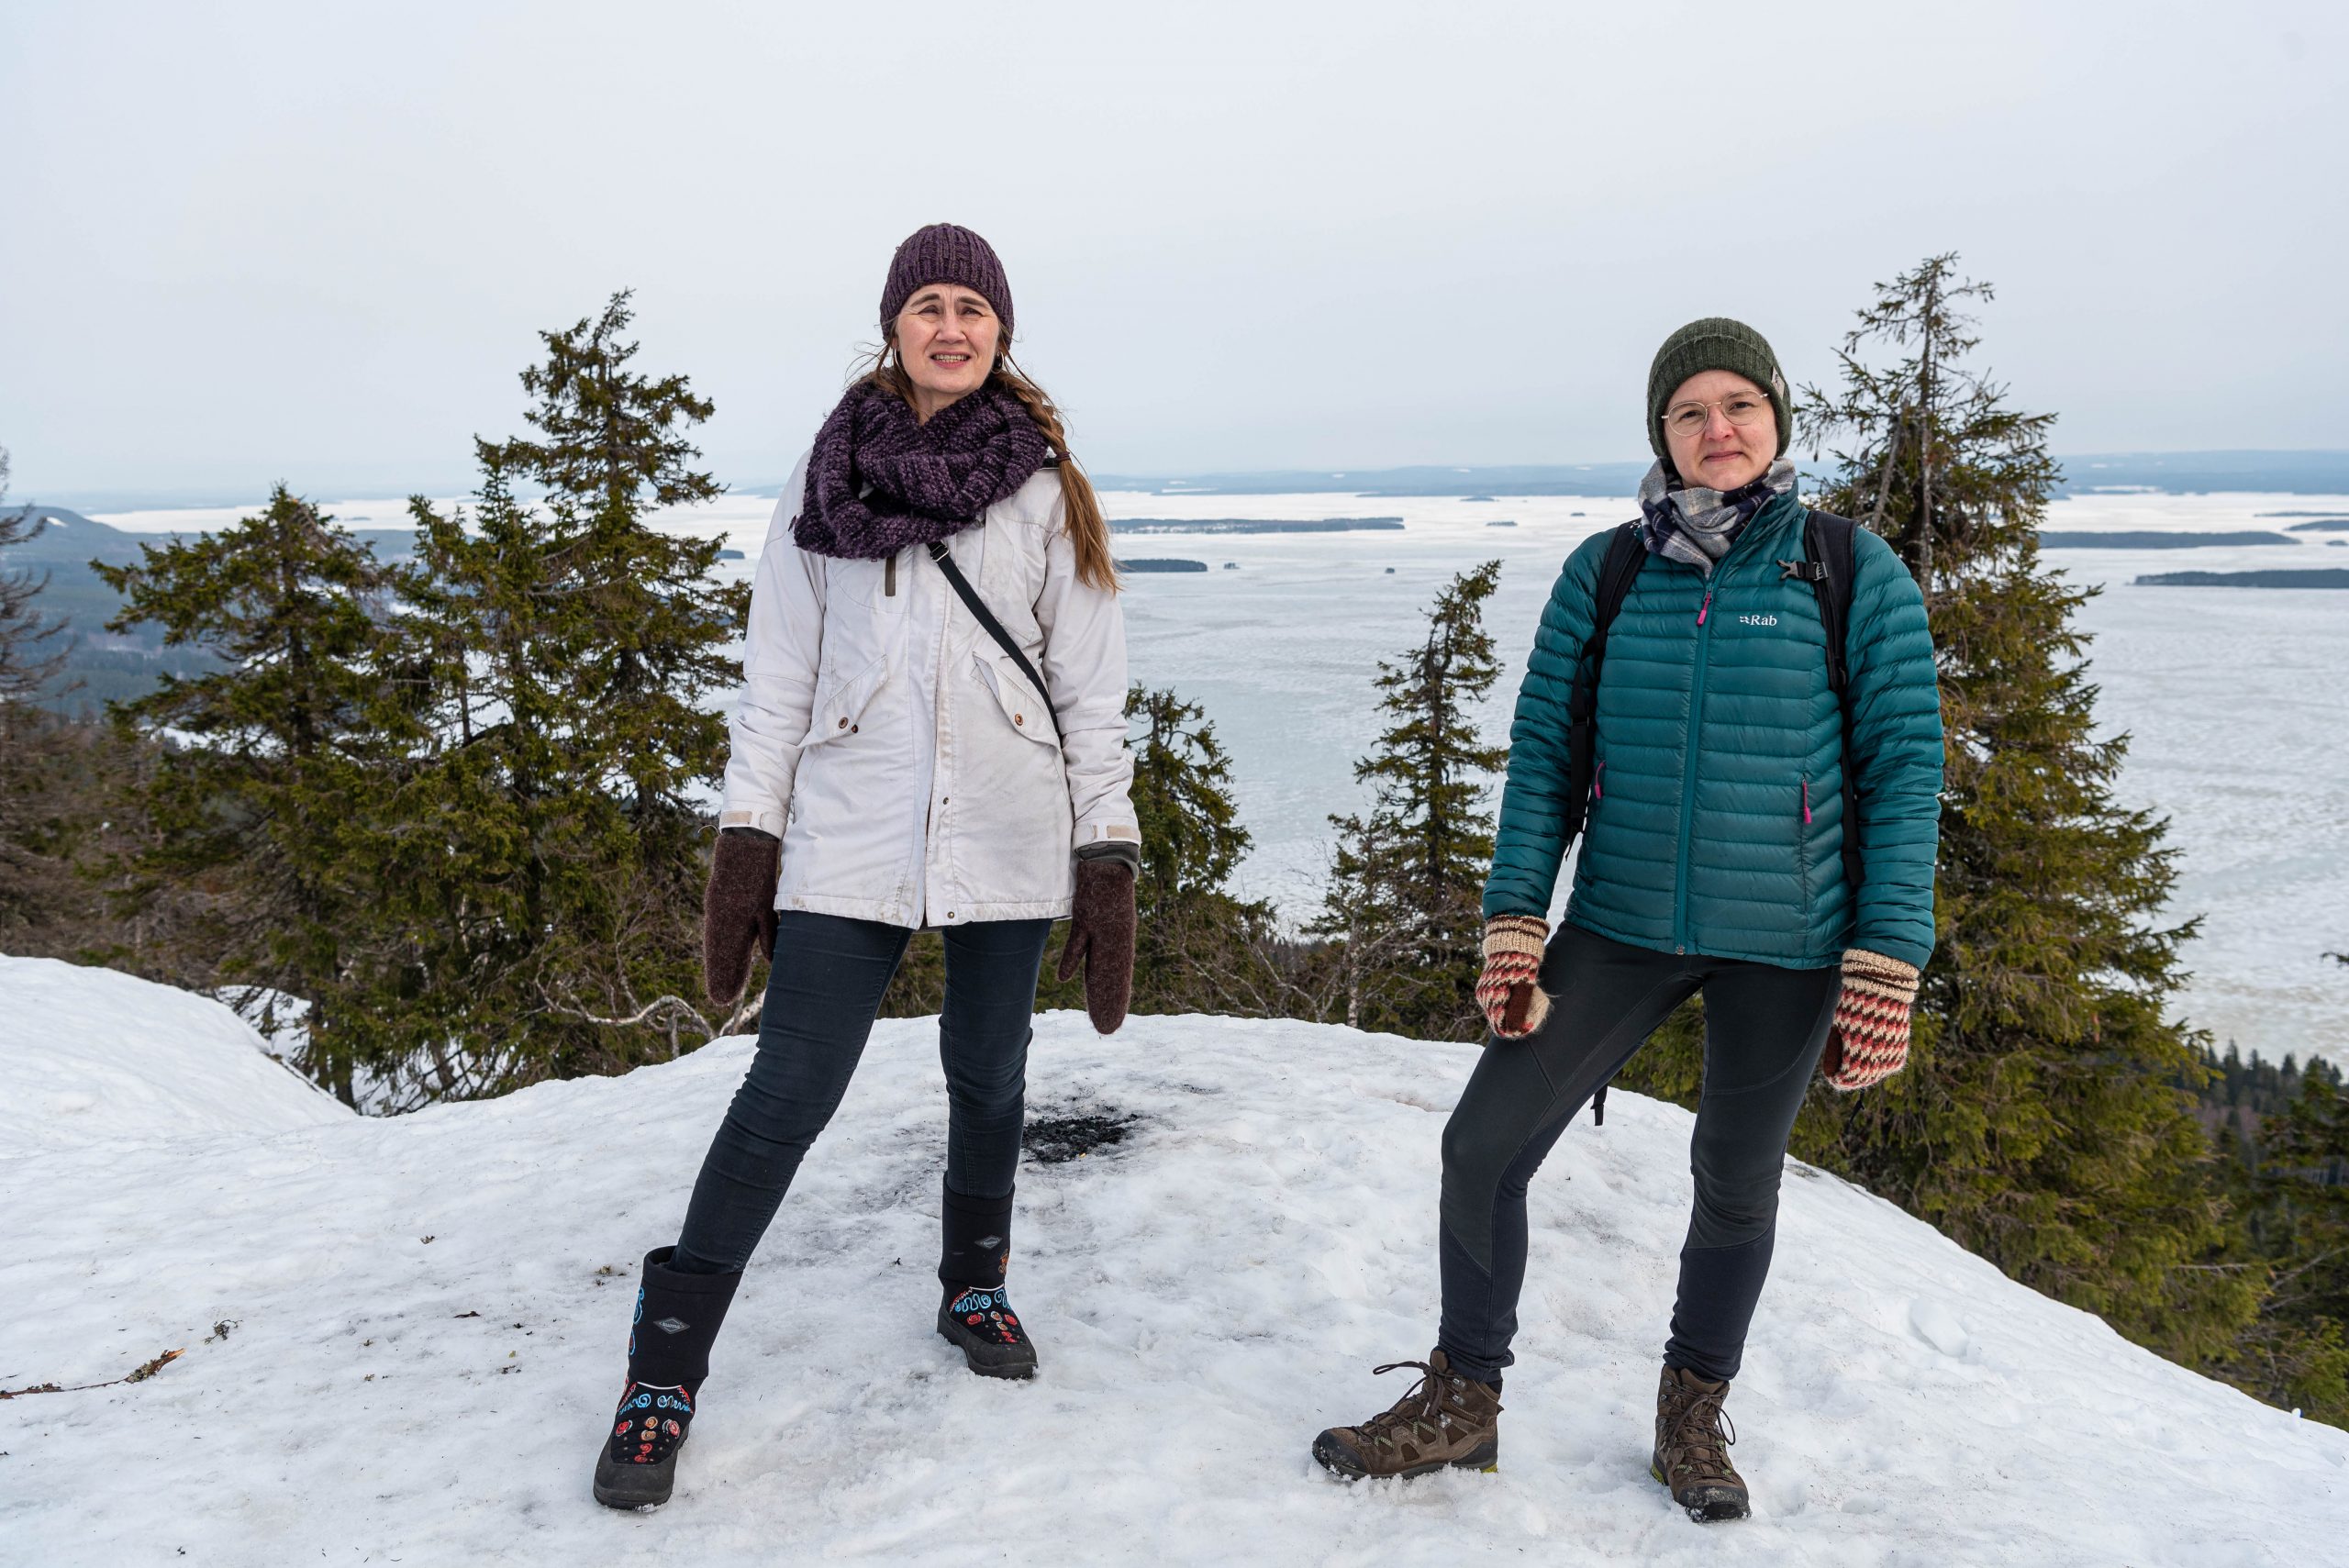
(1740, 408)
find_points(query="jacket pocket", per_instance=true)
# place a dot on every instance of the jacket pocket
(1022, 706)
(857, 582)
(841, 703)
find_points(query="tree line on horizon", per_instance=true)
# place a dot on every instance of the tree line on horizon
(436, 825)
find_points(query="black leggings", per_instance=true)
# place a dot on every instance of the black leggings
(823, 991)
(1764, 1029)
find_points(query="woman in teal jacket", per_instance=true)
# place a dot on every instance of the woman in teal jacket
(1712, 860)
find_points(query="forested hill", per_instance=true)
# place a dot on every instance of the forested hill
(101, 665)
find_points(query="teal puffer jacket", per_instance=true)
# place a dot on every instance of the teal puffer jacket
(1716, 824)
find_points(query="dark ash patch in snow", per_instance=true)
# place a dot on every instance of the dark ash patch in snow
(1056, 1139)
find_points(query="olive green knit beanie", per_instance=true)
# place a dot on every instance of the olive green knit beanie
(1716, 343)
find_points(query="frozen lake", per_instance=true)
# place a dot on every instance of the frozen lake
(2236, 700)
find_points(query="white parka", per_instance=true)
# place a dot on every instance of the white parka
(907, 764)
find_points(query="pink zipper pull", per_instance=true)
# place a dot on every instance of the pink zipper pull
(1596, 780)
(1806, 803)
(1705, 606)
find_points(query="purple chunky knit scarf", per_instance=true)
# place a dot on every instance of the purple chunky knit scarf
(878, 481)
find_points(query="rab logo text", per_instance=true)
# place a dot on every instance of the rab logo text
(1757, 620)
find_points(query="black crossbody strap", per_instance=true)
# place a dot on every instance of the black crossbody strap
(978, 607)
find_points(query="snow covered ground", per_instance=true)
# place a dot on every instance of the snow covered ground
(90, 1056)
(425, 1317)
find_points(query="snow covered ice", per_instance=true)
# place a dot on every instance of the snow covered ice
(428, 1313)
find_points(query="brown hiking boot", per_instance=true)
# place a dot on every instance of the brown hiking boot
(1691, 1451)
(1447, 1419)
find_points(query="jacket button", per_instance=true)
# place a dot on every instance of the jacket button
(1018, 718)
(950, 914)
(851, 729)
(843, 724)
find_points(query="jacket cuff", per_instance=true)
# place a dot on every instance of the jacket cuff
(1911, 953)
(1126, 852)
(767, 822)
(1091, 833)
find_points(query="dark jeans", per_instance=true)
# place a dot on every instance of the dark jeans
(1765, 1026)
(823, 992)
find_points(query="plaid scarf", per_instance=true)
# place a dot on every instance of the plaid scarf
(1696, 525)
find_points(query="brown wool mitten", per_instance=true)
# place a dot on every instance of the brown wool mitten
(1101, 938)
(738, 910)
(1513, 1002)
(1868, 1042)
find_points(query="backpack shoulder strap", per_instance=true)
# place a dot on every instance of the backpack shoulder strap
(1829, 541)
(1829, 545)
(1626, 553)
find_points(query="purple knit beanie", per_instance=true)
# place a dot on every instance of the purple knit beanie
(945, 253)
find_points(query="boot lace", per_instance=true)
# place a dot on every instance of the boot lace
(1698, 1438)
(1420, 1410)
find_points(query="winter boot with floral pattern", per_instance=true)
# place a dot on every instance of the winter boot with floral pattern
(678, 1318)
(976, 1316)
(979, 1322)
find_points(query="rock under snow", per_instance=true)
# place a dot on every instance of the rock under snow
(425, 1318)
(91, 1055)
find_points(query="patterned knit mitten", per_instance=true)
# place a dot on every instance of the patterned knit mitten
(1513, 1002)
(1869, 1040)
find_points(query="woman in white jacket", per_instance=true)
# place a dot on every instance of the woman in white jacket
(898, 762)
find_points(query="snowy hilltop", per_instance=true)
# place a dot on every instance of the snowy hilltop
(402, 1337)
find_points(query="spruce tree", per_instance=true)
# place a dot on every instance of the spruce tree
(568, 654)
(275, 763)
(1198, 948)
(2296, 1222)
(1405, 897)
(28, 659)
(2039, 1122)
(32, 878)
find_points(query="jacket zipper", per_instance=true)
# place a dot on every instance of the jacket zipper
(889, 579)
(1689, 772)
(1696, 727)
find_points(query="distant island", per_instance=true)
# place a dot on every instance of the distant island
(1162, 563)
(2154, 539)
(1251, 525)
(2285, 577)
(2321, 525)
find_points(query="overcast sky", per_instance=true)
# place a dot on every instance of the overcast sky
(314, 240)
